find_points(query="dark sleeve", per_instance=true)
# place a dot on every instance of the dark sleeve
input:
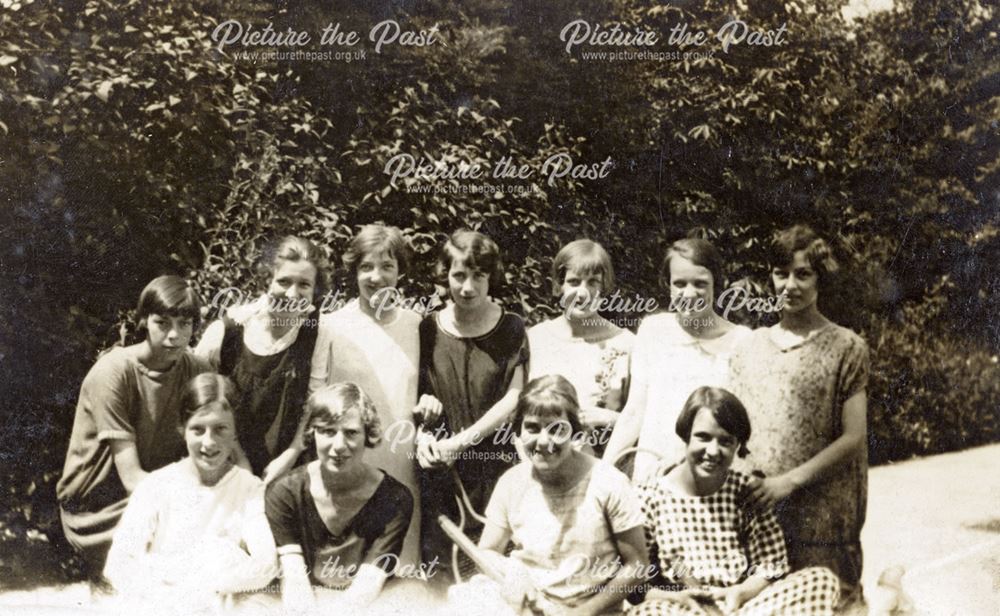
(282, 504)
(427, 332)
(394, 508)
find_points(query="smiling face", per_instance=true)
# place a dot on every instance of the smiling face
(581, 293)
(711, 448)
(292, 288)
(376, 271)
(340, 444)
(546, 440)
(798, 281)
(210, 436)
(692, 289)
(469, 287)
(168, 336)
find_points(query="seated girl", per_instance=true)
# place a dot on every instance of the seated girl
(195, 530)
(714, 551)
(126, 418)
(575, 523)
(338, 522)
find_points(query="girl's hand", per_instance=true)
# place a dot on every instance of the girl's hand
(427, 410)
(595, 417)
(427, 453)
(729, 599)
(449, 449)
(765, 493)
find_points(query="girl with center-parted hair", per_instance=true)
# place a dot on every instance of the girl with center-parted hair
(575, 524)
(473, 356)
(195, 530)
(126, 417)
(715, 549)
(339, 522)
(803, 381)
(267, 347)
(674, 353)
(374, 341)
(580, 344)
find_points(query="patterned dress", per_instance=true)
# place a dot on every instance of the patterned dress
(597, 367)
(795, 397)
(716, 540)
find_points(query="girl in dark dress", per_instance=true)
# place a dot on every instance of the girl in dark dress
(267, 348)
(473, 356)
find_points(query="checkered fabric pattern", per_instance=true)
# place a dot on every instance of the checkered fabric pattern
(713, 540)
(809, 592)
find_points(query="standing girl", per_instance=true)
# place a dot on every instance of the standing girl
(373, 341)
(590, 351)
(472, 364)
(803, 381)
(266, 348)
(126, 418)
(676, 352)
(195, 530)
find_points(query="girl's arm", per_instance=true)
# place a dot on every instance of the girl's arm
(487, 424)
(364, 589)
(255, 567)
(629, 423)
(128, 565)
(632, 549)
(210, 345)
(296, 590)
(854, 418)
(126, 458)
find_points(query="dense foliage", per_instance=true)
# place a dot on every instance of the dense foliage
(130, 145)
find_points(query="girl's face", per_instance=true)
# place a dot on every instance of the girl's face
(210, 436)
(692, 290)
(168, 336)
(469, 287)
(798, 281)
(711, 449)
(377, 271)
(547, 440)
(340, 444)
(292, 287)
(580, 293)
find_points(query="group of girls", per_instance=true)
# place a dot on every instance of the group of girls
(324, 448)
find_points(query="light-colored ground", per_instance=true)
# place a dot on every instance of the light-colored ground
(938, 518)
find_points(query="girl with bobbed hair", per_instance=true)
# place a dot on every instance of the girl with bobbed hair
(803, 381)
(267, 348)
(580, 344)
(575, 524)
(740, 565)
(374, 341)
(194, 531)
(675, 352)
(125, 424)
(473, 356)
(339, 522)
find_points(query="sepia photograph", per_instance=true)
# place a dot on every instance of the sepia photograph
(500, 307)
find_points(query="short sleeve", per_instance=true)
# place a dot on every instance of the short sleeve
(385, 549)
(765, 543)
(497, 511)
(853, 377)
(281, 506)
(105, 392)
(622, 506)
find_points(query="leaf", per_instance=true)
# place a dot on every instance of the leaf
(5, 60)
(103, 90)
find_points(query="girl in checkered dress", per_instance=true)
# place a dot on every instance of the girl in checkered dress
(714, 552)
